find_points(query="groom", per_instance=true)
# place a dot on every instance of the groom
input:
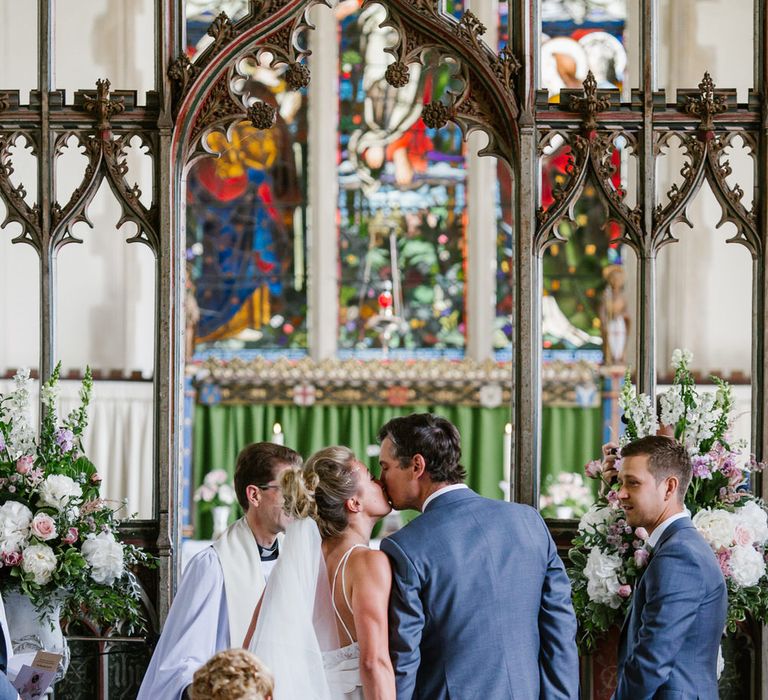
(481, 604)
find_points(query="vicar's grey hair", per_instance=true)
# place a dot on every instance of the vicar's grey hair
(321, 488)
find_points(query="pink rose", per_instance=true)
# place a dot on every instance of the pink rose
(71, 536)
(593, 469)
(43, 527)
(613, 499)
(12, 558)
(24, 464)
(96, 478)
(625, 590)
(641, 533)
(641, 557)
(743, 535)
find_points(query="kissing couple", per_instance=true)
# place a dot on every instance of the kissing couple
(469, 600)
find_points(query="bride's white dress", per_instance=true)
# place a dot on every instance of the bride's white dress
(342, 666)
(297, 633)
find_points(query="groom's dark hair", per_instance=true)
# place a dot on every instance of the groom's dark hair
(434, 438)
(256, 465)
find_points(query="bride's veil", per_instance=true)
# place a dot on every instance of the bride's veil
(296, 621)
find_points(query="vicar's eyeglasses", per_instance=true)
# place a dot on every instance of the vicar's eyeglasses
(266, 487)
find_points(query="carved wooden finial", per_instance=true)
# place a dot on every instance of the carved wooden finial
(706, 105)
(103, 106)
(590, 105)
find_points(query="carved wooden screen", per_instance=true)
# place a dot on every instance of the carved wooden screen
(498, 95)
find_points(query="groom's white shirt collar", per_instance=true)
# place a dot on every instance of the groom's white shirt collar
(655, 536)
(440, 492)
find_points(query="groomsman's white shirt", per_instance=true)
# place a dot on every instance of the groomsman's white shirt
(211, 611)
(655, 536)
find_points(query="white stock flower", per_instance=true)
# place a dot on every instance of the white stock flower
(49, 394)
(753, 517)
(716, 526)
(595, 518)
(40, 561)
(602, 580)
(672, 407)
(747, 566)
(15, 518)
(104, 555)
(59, 491)
(681, 357)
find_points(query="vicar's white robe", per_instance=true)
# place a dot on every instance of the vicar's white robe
(211, 612)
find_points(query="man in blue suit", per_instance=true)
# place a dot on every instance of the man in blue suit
(670, 640)
(481, 606)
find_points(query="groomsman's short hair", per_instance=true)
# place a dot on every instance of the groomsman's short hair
(434, 438)
(256, 466)
(666, 457)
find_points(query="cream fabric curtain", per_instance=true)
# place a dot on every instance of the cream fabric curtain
(118, 439)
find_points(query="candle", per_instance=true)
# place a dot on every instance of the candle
(507, 451)
(278, 437)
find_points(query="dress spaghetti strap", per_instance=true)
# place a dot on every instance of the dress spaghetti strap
(343, 566)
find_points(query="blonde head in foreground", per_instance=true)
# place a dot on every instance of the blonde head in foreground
(234, 674)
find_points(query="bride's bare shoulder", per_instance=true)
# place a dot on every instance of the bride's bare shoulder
(371, 565)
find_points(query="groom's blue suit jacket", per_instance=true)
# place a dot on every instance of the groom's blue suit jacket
(481, 605)
(670, 639)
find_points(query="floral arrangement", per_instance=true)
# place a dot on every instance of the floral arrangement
(565, 496)
(608, 555)
(58, 538)
(215, 491)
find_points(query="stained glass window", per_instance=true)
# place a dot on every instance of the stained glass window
(246, 213)
(578, 37)
(402, 201)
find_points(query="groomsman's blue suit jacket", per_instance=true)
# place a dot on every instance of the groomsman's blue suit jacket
(670, 640)
(481, 605)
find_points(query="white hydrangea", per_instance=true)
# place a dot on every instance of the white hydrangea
(716, 526)
(104, 554)
(747, 565)
(595, 518)
(59, 491)
(753, 517)
(15, 519)
(40, 561)
(602, 578)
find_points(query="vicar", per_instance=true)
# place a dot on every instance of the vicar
(480, 604)
(670, 640)
(223, 583)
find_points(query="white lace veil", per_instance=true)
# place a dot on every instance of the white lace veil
(296, 621)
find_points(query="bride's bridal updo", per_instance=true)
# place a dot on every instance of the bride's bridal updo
(321, 488)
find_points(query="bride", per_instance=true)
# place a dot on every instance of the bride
(321, 627)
